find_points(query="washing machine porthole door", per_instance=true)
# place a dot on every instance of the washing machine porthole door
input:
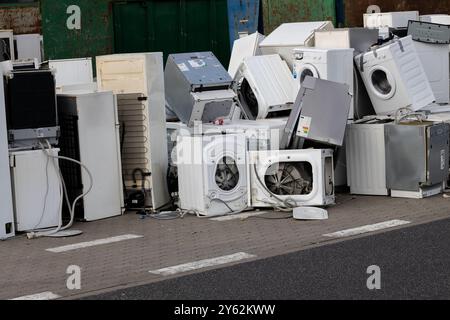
(307, 70)
(382, 83)
(227, 174)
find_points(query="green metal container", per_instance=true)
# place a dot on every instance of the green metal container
(276, 12)
(94, 38)
(109, 26)
(172, 26)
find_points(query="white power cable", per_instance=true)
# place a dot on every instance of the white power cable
(63, 193)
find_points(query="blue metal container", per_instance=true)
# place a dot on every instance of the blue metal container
(243, 16)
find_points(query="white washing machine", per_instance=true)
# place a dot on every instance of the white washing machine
(289, 36)
(294, 177)
(326, 64)
(394, 77)
(265, 86)
(212, 174)
(435, 61)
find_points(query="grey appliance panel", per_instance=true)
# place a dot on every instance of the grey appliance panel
(438, 153)
(416, 155)
(429, 32)
(327, 105)
(362, 39)
(201, 69)
(405, 156)
(185, 73)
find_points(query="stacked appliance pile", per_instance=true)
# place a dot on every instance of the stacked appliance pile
(355, 105)
(300, 112)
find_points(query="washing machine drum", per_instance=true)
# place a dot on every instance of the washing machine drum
(307, 70)
(382, 83)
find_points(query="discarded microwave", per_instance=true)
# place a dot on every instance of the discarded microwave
(198, 88)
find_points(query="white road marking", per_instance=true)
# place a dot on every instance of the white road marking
(39, 296)
(98, 242)
(368, 228)
(238, 216)
(203, 264)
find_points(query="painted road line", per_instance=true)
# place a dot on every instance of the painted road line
(239, 216)
(98, 242)
(39, 296)
(203, 264)
(368, 228)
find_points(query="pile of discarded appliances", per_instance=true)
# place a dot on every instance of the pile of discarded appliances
(299, 114)
(310, 109)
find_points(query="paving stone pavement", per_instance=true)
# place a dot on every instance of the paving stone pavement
(27, 268)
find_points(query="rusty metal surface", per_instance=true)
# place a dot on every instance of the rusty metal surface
(22, 19)
(276, 12)
(354, 9)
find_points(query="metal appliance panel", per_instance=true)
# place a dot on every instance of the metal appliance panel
(438, 153)
(416, 155)
(33, 207)
(320, 112)
(6, 206)
(97, 126)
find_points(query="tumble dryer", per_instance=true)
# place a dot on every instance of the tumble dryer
(327, 64)
(394, 77)
(212, 174)
(291, 178)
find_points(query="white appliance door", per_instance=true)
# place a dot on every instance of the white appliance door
(99, 152)
(6, 207)
(35, 189)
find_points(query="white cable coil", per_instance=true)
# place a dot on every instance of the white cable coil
(63, 194)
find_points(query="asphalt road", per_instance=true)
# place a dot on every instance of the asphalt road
(414, 264)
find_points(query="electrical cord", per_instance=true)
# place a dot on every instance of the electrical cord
(63, 193)
(47, 191)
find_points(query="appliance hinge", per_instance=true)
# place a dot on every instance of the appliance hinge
(12, 161)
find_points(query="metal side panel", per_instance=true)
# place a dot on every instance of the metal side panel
(438, 153)
(366, 163)
(33, 207)
(6, 206)
(405, 156)
(99, 152)
(429, 32)
(156, 104)
(412, 72)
